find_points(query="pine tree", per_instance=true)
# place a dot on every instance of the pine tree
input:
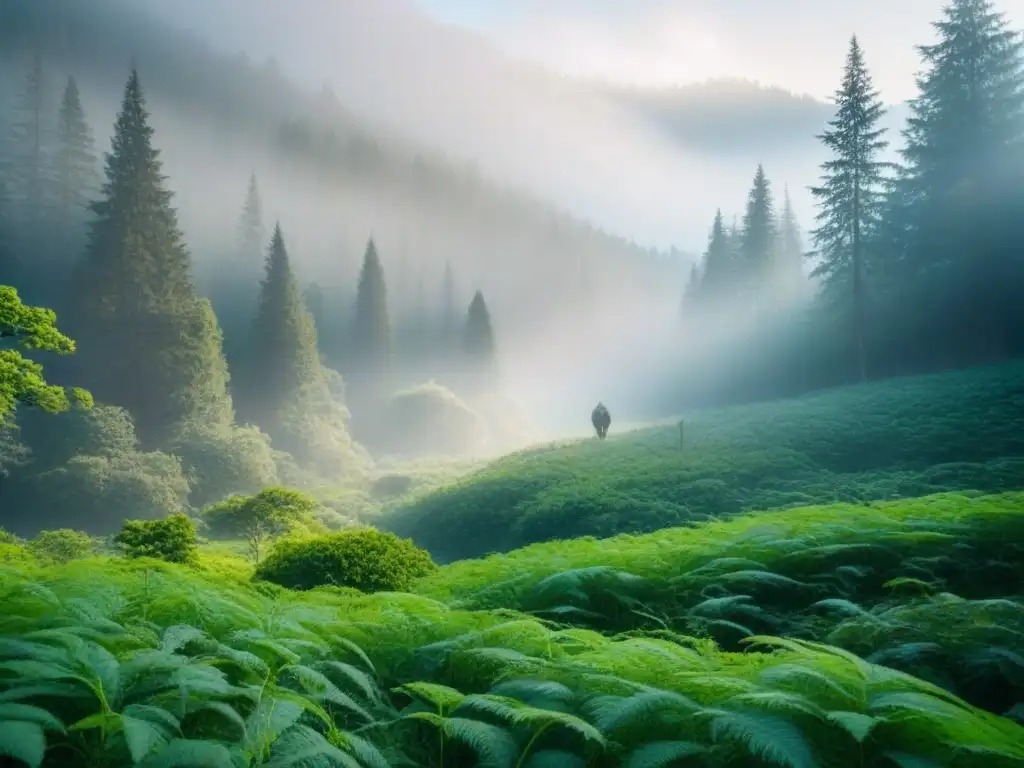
(251, 232)
(478, 337)
(147, 342)
(29, 167)
(75, 159)
(789, 250)
(718, 280)
(282, 387)
(757, 237)
(850, 195)
(371, 329)
(692, 293)
(963, 152)
(235, 285)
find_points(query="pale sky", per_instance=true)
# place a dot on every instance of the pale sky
(796, 44)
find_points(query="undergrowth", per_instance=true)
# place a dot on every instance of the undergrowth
(108, 662)
(899, 438)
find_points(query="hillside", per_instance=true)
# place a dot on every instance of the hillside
(895, 439)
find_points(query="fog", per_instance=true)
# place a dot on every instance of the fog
(576, 213)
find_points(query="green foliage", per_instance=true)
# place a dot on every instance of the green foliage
(21, 379)
(224, 460)
(149, 343)
(172, 539)
(103, 430)
(96, 493)
(895, 439)
(259, 519)
(121, 664)
(365, 559)
(428, 419)
(63, 545)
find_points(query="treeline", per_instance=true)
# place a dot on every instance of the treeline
(177, 425)
(919, 264)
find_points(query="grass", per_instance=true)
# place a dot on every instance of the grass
(901, 438)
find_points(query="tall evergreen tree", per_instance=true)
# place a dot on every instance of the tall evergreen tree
(849, 196)
(478, 338)
(371, 329)
(718, 280)
(757, 236)
(74, 159)
(29, 167)
(147, 342)
(964, 163)
(789, 247)
(251, 231)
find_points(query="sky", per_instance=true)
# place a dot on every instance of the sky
(664, 42)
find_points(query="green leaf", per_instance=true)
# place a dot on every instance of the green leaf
(188, 753)
(658, 754)
(30, 714)
(23, 741)
(856, 724)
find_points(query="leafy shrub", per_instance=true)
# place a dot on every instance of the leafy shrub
(221, 461)
(366, 559)
(427, 419)
(258, 519)
(98, 493)
(172, 539)
(54, 439)
(63, 545)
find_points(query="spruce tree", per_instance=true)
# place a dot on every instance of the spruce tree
(718, 280)
(282, 387)
(849, 196)
(147, 342)
(757, 238)
(74, 159)
(251, 232)
(478, 338)
(371, 329)
(789, 247)
(29, 167)
(963, 153)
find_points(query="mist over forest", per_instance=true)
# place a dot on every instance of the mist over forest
(412, 216)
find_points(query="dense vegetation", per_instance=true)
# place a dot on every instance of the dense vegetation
(900, 438)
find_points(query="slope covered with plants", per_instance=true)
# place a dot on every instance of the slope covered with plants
(899, 438)
(140, 663)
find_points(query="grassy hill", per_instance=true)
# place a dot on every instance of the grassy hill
(895, 439)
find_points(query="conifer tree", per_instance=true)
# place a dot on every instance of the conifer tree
(251, 232)
(74, 159)
(962, 155)
(478, 336)
(757, 237)
(719, 275)
(147, 342)
(789, 250)
(371, 328)
(29, 167)
(849, 195)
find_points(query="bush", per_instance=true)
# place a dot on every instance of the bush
(63, 545)
(221, 461)
(427, 419)
(172, 539)
(365, 559)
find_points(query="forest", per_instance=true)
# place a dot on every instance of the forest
(273, 497)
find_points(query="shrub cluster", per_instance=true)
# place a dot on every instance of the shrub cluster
(365, 559)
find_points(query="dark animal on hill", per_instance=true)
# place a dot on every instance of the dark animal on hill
(601, 420)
